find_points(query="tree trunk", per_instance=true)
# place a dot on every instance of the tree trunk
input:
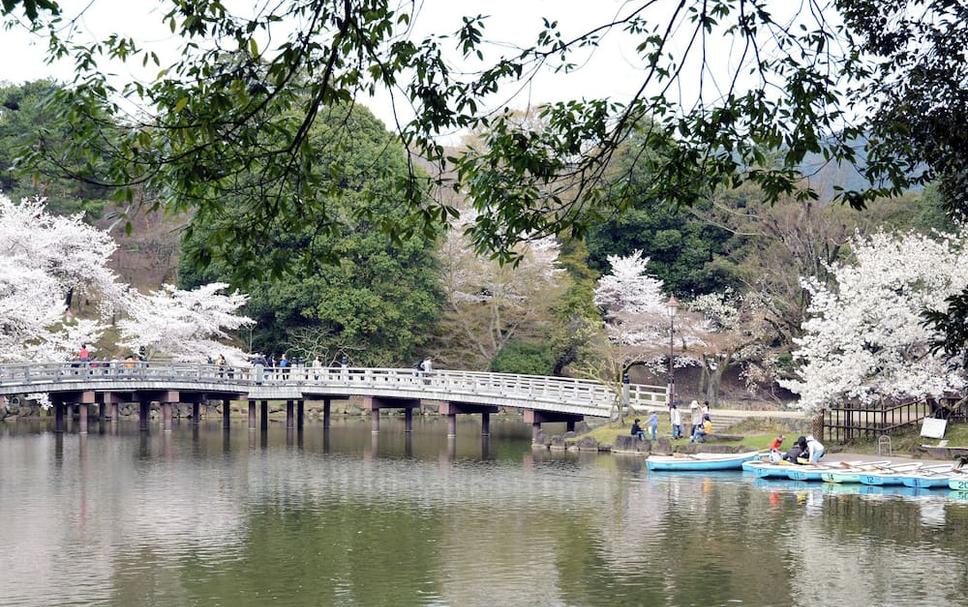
(816, 426)
(715, 381)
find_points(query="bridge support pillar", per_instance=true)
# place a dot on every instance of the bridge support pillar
(166, 416)
(226, 414)
(570, 425)
(251, 415)
(115, 411)
(264, 421)
(289, 419)
(408, 419)
(82, 417)
(375, 420)
(326, 413)
(452, 410)
(59, 416)
(144, 415)
(300, 413)
(373, 404)
(196, 413)
(485, 424)
(101, 413)
(536, 418)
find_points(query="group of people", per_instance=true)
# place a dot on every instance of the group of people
(806, 449)
(700, 428)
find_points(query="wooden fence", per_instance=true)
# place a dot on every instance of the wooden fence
(848, 422)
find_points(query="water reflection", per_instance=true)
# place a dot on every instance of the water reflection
(348, 517)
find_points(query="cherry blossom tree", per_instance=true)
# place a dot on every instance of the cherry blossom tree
(736, 331)
(489, 303)
(637, 316)
(45, 262)
(864, 340)
(185, 325)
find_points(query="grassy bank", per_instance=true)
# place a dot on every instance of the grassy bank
(758, 437)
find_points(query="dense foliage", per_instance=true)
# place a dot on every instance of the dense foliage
(376, 301)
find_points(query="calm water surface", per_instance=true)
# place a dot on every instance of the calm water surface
(195, 518)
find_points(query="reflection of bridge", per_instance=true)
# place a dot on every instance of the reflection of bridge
(107, 385)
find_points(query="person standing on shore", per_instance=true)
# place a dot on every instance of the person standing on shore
(653, 425)
(676, 418)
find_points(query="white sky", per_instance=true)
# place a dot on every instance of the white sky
(611, 70)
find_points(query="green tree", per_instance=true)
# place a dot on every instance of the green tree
(376, 301)
(30, 118)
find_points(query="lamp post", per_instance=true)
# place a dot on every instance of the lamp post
(671, 307)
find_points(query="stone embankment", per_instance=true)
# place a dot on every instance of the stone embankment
(628, 445)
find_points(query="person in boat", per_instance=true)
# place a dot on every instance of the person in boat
(637, 430)
(675, 417)
(796, 450)
(653, 425)
(815, 450)
(776, 456)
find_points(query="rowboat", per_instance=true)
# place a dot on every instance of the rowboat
(933, 479)
(806, 473)
(896, 475)
(766, 469)
(958, 484)
(850, 472)
(699, 461)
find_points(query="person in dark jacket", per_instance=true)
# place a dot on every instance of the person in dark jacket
(637, 430)
(796, 450)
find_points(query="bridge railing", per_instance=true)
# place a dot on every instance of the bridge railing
(436, 383)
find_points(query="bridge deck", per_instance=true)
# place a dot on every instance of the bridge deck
(567, 396)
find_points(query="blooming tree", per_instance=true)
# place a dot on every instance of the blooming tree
(186, 325)
(864, 340)
(45, 261)
(637, 316)
(736, 332)
(490, 303)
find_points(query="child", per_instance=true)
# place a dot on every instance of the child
(653, 424)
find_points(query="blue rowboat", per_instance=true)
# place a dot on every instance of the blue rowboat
(939, 481)
(843, 478)
(700, 461)
(767, 470)
(900, 474)
(806, 473)
(958, 484)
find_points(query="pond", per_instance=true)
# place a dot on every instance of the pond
(198, 517)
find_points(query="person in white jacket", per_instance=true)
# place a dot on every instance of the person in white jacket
(815, 449)
(676, 419)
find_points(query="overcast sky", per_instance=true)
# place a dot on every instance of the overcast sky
(612, 70)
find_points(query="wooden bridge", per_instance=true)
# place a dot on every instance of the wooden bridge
(106, 385)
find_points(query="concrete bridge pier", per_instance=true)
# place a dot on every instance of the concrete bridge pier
(326, 413)
(536, 418)
(452, 410)
(264, 419)
(289, 415)
(166, 416)
(251, 415)
(408, 420)
(82, 408)
(300, 413)
(373, 404)
(144, 414)
(59, 407)
(196, 413)
(226, 414)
